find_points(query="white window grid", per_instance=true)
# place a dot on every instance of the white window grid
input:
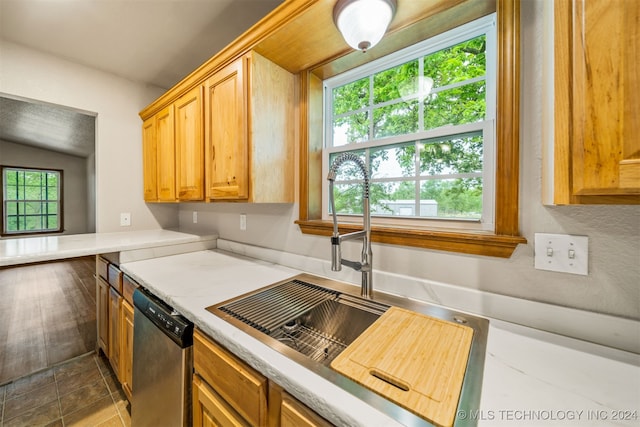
(7, 199)
(486, 26)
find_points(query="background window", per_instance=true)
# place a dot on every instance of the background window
(423, 121)
(32, 200)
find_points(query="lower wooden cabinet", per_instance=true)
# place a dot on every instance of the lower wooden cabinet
(126, 347)
(102, 314)
(293, 413)
(210, 409)
(115, 301)
(243, 388)
(228, 392)
(114, 318)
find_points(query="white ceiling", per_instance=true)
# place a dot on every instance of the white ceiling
(47, 126)
(156, 42)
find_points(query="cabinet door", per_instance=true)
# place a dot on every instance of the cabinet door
(102, 314)
(115, 301)
(597, 148)
(294, 414)
(189, 146)
(241, 386)
(210, 410)
(126, 347)
(149, 160)
(227, 152)
(165, 144)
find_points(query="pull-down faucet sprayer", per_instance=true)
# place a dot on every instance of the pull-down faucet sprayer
(365, 234)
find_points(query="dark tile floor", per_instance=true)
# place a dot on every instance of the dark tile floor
(81, 392)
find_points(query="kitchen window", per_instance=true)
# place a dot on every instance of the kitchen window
(500, 241)
(423, 121)
(32, 200)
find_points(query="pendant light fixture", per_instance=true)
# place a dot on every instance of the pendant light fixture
(363, 22)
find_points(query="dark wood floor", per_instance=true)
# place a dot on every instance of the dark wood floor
(47, 315)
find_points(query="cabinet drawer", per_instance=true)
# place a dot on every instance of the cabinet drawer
(101, 267)
(128, 286)
(212, 410)
(241, 386)
(295, 414)
(115, 278)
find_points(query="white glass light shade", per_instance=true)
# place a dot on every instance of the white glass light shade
(363, 22)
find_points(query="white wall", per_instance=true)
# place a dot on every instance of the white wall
(74, 179)
(91, 193)
(611, 287)
(31, 74)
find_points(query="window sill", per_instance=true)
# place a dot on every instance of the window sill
(32, 234)
(467, 242)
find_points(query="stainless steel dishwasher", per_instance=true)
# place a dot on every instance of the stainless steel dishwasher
(162, 364)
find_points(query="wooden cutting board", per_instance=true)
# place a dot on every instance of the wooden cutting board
(414, 360)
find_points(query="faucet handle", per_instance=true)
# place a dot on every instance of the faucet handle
(336, 254)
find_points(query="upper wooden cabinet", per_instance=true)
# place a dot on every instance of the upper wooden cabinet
(227, 150)
(189, 146)
(149, 160)
(597, 109)
(249, 132)
(173, 151)
(241, 149)
(166, 163)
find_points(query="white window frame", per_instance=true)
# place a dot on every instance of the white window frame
(485, 25)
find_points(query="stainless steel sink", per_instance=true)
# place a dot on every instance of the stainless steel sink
(315, 321)
(312, 319)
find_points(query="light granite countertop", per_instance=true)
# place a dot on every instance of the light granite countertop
(531, 377)
(14, 251)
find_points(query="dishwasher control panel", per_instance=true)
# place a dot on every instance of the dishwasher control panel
(173, 324)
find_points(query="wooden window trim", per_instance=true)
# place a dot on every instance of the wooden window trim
(503, 242)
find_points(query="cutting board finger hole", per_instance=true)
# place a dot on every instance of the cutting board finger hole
(389, 380)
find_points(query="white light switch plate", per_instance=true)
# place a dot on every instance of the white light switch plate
(562, 252)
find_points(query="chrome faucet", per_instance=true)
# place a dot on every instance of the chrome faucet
(365, 234)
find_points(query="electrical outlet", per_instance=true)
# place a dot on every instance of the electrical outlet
(195, 217)
(243, 222)
(562, 252)
(125, 219)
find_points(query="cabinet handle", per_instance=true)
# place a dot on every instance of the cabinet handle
(213, 152)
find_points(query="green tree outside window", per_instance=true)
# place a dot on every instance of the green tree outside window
(443, 89)
(31, 200)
